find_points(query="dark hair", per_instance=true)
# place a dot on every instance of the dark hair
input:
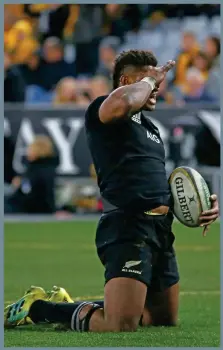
(217, 43)
(135, 58)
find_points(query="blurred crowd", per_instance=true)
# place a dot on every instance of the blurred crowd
(64, 54)
(34, 192)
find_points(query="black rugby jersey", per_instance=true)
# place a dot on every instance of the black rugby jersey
(129, 159)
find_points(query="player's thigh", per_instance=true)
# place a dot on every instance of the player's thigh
(163, 292)
(162, 299)
(127, 261)
(162, 307)
(124, 302)
(127, 275)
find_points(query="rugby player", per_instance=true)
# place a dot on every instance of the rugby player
(134, 236)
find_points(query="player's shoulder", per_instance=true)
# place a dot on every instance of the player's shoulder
(92, 115)
(95, 105)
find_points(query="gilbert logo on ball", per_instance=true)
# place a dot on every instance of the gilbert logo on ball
(191, 195)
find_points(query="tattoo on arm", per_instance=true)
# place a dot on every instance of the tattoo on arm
(125, 101)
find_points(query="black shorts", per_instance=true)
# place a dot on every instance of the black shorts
(138, 246)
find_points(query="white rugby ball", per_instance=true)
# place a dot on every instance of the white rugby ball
(191, 195)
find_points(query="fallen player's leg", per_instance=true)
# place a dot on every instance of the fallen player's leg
(58, 308)
(86, 316)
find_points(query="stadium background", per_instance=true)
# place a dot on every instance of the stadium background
(57, 59)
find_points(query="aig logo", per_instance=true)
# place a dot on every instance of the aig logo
(152, 137)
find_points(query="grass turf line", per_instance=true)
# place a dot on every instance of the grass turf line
(64, 254)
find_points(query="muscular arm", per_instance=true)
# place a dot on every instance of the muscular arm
(130, 99)
(124, 101)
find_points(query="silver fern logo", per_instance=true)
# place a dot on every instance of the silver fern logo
(131, 263)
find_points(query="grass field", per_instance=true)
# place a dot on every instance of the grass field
(63, 254)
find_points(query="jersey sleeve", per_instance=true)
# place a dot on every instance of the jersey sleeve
(92, 112)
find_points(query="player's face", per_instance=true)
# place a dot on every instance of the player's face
(135, 76)
(151, 102)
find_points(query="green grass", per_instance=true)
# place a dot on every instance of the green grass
(63, 254)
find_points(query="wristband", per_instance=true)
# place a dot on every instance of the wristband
(150, 81)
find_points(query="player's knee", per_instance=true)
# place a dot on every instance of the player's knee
(128, 325)
(123, 324)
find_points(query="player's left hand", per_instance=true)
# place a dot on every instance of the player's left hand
(209, 216)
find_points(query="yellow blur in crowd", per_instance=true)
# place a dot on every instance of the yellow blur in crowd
(20, 39)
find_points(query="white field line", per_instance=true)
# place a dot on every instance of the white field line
(52, 219)
(183, 293)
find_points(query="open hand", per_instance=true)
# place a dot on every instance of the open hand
(159, 73)
(209, 216)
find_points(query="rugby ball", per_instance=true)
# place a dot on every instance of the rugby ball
(191, 195)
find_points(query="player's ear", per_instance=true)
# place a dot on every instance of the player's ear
(124, 80)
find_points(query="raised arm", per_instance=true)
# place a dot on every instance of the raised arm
(129, 99)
